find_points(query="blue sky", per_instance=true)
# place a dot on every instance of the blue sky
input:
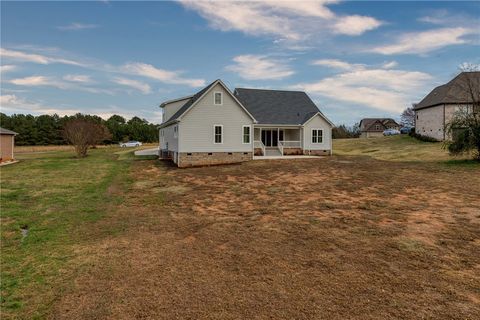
(355, 59)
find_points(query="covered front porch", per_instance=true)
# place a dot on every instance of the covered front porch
(274, 141)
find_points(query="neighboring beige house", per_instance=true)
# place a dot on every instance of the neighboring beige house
(434, 112)
(374, 127)
(7, 142)
(216, 126)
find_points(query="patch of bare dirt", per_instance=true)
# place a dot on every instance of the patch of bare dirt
(330, 239)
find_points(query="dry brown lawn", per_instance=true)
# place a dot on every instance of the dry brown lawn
(331, 238)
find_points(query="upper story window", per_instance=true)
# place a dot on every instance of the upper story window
(217, 98)
(218, 133)
(175, 131)
(246, 134)
(317, 135)
(377, 127)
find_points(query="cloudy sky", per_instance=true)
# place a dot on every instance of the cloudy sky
(355, 59)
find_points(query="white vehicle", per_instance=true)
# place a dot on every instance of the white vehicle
(130, 144)
(391, 132)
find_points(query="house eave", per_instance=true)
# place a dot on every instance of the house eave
(163, 104)
(167, 124)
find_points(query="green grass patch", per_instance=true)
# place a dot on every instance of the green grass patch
(393, 148)
(56, 195)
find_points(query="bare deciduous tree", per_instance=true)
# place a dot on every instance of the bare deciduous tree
(83, 133)
(464, 128)
(407, 118)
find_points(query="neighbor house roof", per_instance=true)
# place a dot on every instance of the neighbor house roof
(6, 131)
(277, 106)
(367, 123)
(455, 91)
(193, 99)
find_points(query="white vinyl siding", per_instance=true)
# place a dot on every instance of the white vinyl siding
(170, 109)
(167, 137)
(317, 123)
(196, 127)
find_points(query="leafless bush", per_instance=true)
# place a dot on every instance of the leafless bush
(83, 133)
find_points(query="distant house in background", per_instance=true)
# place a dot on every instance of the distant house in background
(374, 127)
(433, 113)
(7, 141)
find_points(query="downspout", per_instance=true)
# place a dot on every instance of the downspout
(444, 125)
(331, 142)
(178, 144)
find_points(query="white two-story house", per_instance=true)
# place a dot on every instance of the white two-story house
(216, 126)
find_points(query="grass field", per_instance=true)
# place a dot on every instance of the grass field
(113, 236)
(395, 148)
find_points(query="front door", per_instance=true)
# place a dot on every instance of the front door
(270, 137)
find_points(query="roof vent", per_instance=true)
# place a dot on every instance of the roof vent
(298, 114)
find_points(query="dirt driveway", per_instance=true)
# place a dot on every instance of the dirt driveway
(336, 238)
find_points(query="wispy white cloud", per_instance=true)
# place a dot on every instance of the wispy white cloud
(13, 103)
(355, 25)
(43, 81)
(80, 78)
(140, 86)
(260, 67)
(389, 64)
(338, 64)
(75, 26)
(383, 89)
(134, 68)
(35, 58)
(289, 20)
(7, 68)
(35, 81)
(425, 41)
(166, 76)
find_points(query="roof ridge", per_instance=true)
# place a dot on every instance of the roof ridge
(270, 90)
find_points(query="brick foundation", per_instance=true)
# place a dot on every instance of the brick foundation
(292, 151)
(257, 152)
(316, 152)
(195, 159)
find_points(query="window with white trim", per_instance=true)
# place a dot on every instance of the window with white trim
(317, 135)
(246, 134)
(217, 98)
(377, 127)
(218, 134)
(175, 131)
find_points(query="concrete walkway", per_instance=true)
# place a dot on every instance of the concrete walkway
(285, 157)
(147, 152)
(6, 163)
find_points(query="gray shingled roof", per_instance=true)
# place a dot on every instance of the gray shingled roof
(276, 106)
(367, 123)
(455, 91)
(6, 131)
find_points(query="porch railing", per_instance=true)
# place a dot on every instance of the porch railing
(291, 144)
(280, 147)
(259, 144)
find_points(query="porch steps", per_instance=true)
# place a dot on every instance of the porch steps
(272, 152)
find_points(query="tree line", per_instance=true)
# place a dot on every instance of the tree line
(50, 129)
